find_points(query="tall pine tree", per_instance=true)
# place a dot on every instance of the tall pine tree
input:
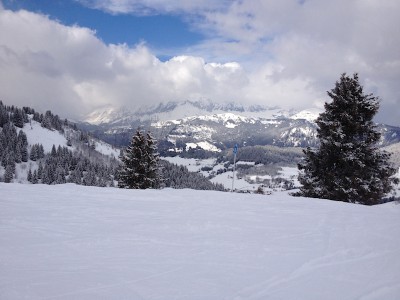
(139, 168)
(348, 165)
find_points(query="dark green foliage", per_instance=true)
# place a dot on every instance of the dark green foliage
(139, 168)
(179, 177)
(34, 177)
(265, 155)
(9, 174)
(347, 166)
(18, 118)
(29, 177)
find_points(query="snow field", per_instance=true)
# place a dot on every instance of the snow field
(241, 184)
(76, 242)
(36, 134)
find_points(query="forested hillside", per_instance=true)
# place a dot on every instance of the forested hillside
(42, 148)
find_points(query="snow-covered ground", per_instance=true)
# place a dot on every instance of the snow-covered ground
(241, 184)
(75, 242)
(36, 134)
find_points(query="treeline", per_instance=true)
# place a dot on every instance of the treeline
(62, 165)
(265, 155)
(81, 166)
(180, 177)
(19, 116)
(13, 149)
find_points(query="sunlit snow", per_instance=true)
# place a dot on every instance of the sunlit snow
(76, 242)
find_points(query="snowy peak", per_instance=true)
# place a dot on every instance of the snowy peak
(179, 110)
(107, 115)
(229, 120)
(310, 114)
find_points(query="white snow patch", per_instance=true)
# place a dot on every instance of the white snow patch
(203, 145)
(36, 134)
(248, 163)
(106, 149)
(259, 177)
(193, 165)
(240, 184)
(310, 114)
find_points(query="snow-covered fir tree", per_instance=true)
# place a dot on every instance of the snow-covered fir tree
(139, 169)
(348, 165)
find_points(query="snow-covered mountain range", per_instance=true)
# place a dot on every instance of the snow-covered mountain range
(203, 125)
(177, 110)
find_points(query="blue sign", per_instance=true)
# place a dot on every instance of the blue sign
(235, 149)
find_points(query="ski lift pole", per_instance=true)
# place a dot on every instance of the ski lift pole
(235, 150)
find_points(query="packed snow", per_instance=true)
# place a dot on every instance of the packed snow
(76, 242)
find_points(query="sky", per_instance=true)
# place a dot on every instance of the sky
(75, 56)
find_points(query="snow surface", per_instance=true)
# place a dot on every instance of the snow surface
(193, 164)
(75, 242)
(106, 149)
(240, 184)
(36, 134)
(310, 114)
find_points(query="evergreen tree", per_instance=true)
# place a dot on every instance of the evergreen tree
(153, 176)
(53, 151)
(139, 163)
(34, 177)
(18, 153)
(29, 177)
(18, 118)
(34, 153)
(347, 166)
(23, 142)
(59, 176)
(40, 151)
(9, 174)
(40, 170)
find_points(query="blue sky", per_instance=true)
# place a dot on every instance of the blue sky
(161, 32)
(75, 56)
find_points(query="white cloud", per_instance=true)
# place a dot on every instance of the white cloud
(69, 70)
(149, 7)
(313, 41)
(286, 53)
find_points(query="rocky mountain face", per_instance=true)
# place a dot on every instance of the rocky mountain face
(202, 128)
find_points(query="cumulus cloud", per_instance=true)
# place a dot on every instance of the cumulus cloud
(70, 71)
(286, 53)
(314, 42)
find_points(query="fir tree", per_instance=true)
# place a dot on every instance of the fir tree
(40, 170)
(18, 118)
(22, 145)
(34, 153)
(347, 166)
(9, 174)
(34, 177)
(139, 163)
(29, 177)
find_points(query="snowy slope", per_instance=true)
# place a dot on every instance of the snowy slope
(36, 134)
(75, 242)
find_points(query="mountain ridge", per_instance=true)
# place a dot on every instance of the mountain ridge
(165, 111)
(208, 126)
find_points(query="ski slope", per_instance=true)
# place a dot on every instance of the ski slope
(76, 242)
